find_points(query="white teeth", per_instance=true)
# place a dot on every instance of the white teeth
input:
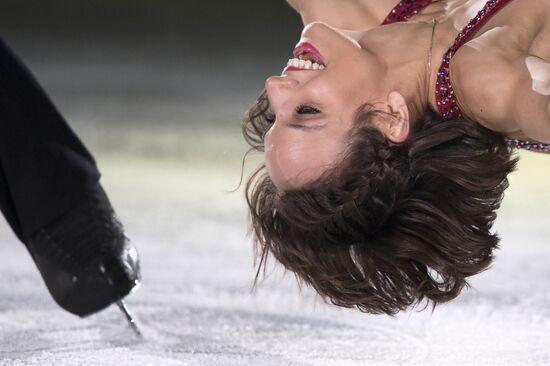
(304, 65)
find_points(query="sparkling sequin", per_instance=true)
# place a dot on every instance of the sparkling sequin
(444, 94)
(526, 145)
(405, 9)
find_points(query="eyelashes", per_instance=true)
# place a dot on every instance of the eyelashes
(306, 109)
(301, 109)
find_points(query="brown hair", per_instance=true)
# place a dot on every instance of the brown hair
(391, 225)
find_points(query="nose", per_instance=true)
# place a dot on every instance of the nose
(279, 89)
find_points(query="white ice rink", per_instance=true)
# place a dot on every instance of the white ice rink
(167, 165)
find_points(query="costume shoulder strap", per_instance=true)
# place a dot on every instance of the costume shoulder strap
(405, 9)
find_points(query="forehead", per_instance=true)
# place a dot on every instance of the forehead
(294, 159)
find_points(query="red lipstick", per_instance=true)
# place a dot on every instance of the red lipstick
(306, 47)
(310, 59)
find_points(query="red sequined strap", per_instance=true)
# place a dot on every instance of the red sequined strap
(446, 102)
(526, 145)
(405, 9)
(444, 94)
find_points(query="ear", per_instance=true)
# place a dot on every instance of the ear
(398, 128)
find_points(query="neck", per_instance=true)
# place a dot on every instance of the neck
(404, 48)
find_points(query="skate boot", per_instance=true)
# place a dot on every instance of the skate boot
(84, 257)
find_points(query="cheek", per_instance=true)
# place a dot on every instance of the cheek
(334, 90)
(346, 85)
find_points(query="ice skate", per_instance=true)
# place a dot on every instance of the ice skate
(84, 257)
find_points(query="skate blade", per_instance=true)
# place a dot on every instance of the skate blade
(128, 315)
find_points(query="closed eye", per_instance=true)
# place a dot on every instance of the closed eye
(307, 109)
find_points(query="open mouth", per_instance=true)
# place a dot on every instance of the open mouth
(306, 57)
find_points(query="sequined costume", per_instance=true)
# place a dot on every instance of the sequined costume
(444, 95)
(405, 9)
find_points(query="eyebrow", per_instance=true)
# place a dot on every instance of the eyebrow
(302, 127)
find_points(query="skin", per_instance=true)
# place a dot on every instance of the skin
(371, 66)
(300, 146)
(540, 73)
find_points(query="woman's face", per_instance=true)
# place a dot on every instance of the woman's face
(315, 109)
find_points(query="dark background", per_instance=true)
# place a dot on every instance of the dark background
(243, 17)
(143, 76)
(242, 24)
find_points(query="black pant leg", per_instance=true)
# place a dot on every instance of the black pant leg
(44, 168)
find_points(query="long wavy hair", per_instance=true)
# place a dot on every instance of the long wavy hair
(391, 224)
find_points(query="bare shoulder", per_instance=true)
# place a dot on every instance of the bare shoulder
(510, 96)
(346, 14)
(501, 76)
(486, 73)
(482, 84)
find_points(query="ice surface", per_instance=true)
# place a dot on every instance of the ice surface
(168, 179)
